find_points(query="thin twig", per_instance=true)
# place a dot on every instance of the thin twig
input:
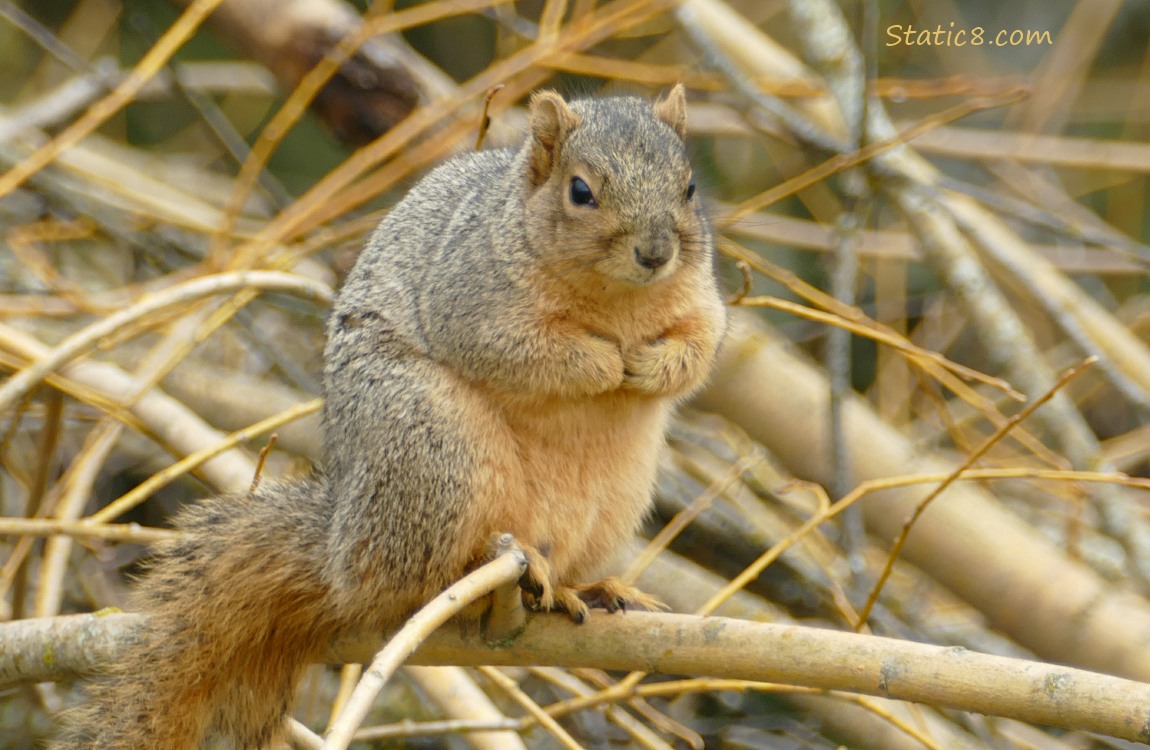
(152, 62)
(914, 353)
(112, 532)
(485, 122)
(545, 720)
(969, 461)
(262, 459)
(684, 517)
(457, 694)
(304, 93)
(508, 566)
(844, 278)
(180, 294)
(445, 726)
(844, 160)
(643, 736)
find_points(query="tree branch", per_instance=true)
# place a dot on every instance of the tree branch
(50, 648)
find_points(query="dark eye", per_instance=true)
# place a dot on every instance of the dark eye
(691, 189)
(581, 195)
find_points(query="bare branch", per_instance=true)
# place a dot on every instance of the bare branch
(718, 647)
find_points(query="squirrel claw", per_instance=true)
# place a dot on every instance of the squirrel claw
(577, 601)
(568, 600)
(531, 585)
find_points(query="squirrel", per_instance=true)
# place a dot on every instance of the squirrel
(503, 357)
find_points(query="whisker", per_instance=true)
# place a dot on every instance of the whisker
(578, 260)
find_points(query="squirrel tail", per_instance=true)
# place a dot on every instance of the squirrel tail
(235, 612)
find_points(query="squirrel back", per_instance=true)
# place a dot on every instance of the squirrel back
(502, 358)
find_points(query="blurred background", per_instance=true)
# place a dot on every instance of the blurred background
(927, 211)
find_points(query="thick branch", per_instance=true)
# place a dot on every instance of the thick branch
(48, 648)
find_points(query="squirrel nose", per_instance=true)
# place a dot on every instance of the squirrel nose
(653, 256)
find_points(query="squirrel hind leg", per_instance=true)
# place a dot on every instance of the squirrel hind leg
(536, 580)
(542, 593)
(535, 588)
(613, 595)
(609, 594)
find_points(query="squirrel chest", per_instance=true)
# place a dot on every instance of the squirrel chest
(573, 476)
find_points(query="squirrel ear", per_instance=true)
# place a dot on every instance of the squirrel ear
(551, 121)
(672, 109)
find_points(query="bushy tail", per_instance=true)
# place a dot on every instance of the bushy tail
(235, 609)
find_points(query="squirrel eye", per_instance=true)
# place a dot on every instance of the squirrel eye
(581, 194)
(691, 189)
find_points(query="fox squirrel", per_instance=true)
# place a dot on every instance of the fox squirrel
(503, 357)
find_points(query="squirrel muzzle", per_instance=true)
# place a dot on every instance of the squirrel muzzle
(655, 252)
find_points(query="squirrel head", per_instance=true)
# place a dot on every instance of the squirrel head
(610, 189)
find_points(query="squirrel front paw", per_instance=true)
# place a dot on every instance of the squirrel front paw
(596, 366)
(604, 364)
(664, 367)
